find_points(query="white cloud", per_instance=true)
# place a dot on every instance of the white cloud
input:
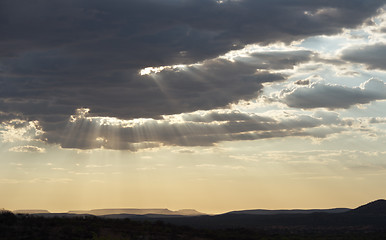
(19, 130)
(27, 148)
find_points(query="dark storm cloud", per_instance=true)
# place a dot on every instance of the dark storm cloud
(211, 84)
(198, 28)
(57, 56)
(195, 129)
(374, 56)
(321, 95)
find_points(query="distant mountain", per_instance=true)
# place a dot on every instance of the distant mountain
(188, 212)
(30, 211)
(135, 211)
(377, 207)
(292, 211)
(101, 212)
(369, 216)
(142, 217)
(365, 222)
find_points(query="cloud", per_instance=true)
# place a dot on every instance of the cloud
(187, 151)
(377, 120)
(374, 56)
(50, 180)
(194, 129)
(27, 148)
(19, 130)
(332, 96)
(6, 117)
(280, 59)
(302, 82)
(211, 84)
(58, 56)
(171, 31)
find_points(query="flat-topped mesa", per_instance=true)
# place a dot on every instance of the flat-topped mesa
(188, 212)
(136, 211)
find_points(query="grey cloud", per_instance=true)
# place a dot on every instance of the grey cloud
(92, 132)
(373, 56)
(217, 116)
(170, 31)
(5, 117)
(212, 84)
(282, 60)
(187, 151)
(331, 118)
(377, 120)
(321, 95)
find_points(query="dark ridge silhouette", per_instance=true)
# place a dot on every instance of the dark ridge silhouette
(377, 207)
(365, 222)
(61, 215)
(30, 211)
(371, 216)
(289, 211)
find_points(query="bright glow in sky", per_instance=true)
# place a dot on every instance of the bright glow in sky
(175, 112)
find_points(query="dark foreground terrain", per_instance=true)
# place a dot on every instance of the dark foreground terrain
(365, 222)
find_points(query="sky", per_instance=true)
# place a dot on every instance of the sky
(199, 104)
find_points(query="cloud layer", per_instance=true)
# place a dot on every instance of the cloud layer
(374, 56)
(332, 96)
(59, 56)
(190, 129)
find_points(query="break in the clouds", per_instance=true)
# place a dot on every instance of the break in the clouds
(58, 56)
(332, 96)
